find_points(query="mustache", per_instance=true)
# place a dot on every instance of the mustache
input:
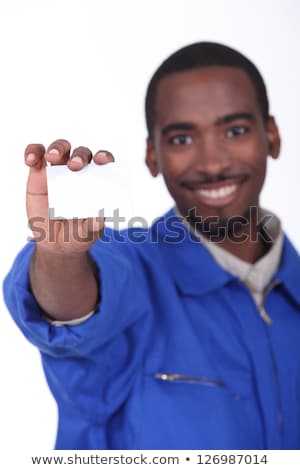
(221, 177)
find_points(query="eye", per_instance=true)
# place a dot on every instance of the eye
(236, 131)
(180, 140)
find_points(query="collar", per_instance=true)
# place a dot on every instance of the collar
(192, 266)
(256, 276)
(195, 270)
(289, 270)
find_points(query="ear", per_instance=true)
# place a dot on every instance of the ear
(273, 137)
(151, 160)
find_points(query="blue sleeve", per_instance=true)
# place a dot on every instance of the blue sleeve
(122, 302)
(89, 367)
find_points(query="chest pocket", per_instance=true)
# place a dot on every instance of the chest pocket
(190, 379)
(236, 388)
(198, 412)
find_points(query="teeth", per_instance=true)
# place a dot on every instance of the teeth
(218, 193)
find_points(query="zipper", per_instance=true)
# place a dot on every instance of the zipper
(192, 379)
(268, 320)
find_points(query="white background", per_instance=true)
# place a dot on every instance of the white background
(78, 70)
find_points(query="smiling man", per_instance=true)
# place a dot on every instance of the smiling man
(211, 134)
(185, 336)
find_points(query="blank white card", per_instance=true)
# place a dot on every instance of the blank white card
(90, 192)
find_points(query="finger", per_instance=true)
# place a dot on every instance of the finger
(94, 224)
(85, 230)
(103, 156)
(34, 156)
(92, 228)
(80, 157)
(58, 152)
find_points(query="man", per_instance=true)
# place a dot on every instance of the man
(184, 336)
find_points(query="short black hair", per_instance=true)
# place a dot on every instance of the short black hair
(204, 54)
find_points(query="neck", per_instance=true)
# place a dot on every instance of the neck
(248, 244)
(248, 250)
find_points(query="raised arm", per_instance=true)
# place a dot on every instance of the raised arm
(62, 274)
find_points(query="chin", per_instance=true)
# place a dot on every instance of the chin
(219, 223)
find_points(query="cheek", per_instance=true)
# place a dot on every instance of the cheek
(177, 160)
(253, 156)
(256, 182)
(260, 175)
(172, 170)
(169, 166)
(259, 163)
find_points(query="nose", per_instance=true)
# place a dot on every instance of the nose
(211, 157)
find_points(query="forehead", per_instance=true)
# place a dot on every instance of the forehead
(208, 93)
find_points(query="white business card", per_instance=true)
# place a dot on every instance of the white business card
(94, 191)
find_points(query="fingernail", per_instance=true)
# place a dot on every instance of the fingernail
(30, 157)
(77, 159)
(108, 156)
(53, 152)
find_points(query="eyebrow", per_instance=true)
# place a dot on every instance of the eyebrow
(189, 126)
(178, 126)
(228, 118)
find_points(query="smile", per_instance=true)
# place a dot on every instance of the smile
(218, 193)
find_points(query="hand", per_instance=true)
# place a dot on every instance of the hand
(62, 236)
